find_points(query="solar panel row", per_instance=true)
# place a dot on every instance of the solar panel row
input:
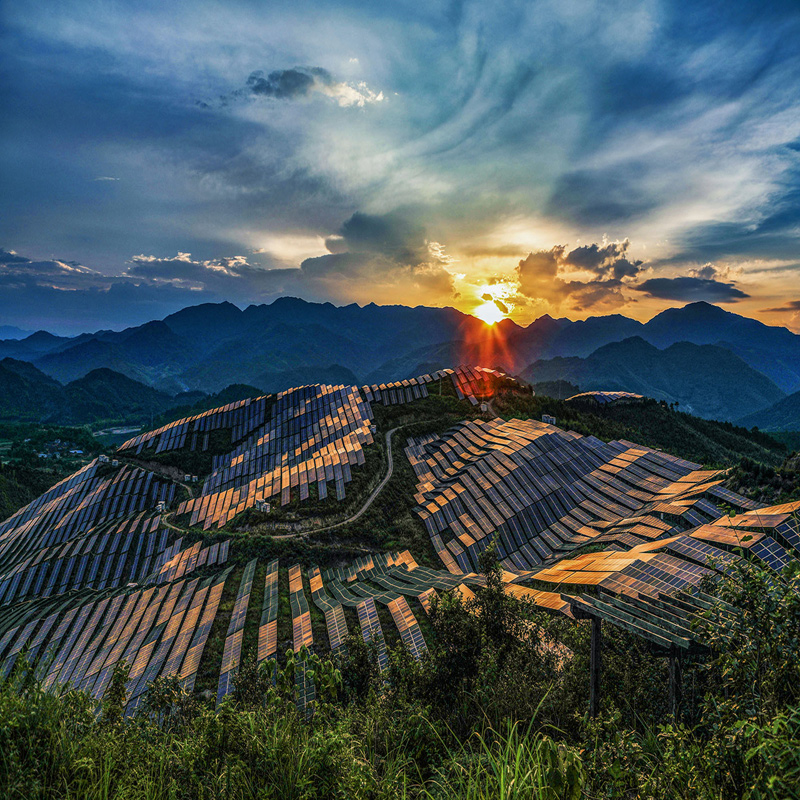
(232, 650)
(334, 613)
(302, 635)
(268, 626)
(242, 416)
(371, 630)
(470, 383)
(408, 626)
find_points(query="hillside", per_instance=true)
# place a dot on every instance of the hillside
(771, 350)
(107, 395)
(653, 424)
(257, 618)
(28, 395)
(782, 416)
(705, 380)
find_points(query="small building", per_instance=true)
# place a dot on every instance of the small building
(115, 463)
(549, 420)
(161, 506)
(263, 506)
(103, 458)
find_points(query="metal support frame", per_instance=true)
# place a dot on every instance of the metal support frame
(595, 666)
(675, 689)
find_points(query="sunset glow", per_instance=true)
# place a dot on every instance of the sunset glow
(489, 312)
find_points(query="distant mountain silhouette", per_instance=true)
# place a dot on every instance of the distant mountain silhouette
(707, 380)
(772, 350)
(782, 416)
(28, 395)
(13, 332)
(206, 347)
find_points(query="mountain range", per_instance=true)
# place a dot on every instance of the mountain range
(28, 395)
(705, 380)
(740, 366)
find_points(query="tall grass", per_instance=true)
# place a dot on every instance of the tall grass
(512, 765)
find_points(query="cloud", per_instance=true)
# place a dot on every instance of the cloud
(382, 254)
(301, 82)
(691, 289)
(10, 257)
(608, 260)
(557, 275)
(500, 305)
(106, 178)
(790, 307)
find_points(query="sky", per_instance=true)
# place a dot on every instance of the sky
(565, 157)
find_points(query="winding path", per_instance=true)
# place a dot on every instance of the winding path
(367, 503)
(375, 492)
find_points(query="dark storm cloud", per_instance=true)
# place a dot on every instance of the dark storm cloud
(604, 260)
(690, 289)
(286, 84)
(11, 257)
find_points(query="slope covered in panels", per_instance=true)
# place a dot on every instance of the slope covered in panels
(540, 491)
(313, 436)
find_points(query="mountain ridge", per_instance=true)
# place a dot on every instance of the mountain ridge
(205, 347)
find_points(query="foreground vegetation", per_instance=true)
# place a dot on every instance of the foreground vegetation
(496, 710)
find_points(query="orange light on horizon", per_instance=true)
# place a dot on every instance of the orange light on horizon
(488, 312)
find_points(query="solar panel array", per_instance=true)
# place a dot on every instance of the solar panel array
(78, 639)
(653, 588)
(242, 416)
(90, 576)
(103, 556)
(539, 491)
(605, 398)
(314, 435)
(83, 501)
(470, 384)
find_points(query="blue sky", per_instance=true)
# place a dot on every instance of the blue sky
(566, 157)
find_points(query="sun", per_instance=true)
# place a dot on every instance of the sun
(489, 312)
